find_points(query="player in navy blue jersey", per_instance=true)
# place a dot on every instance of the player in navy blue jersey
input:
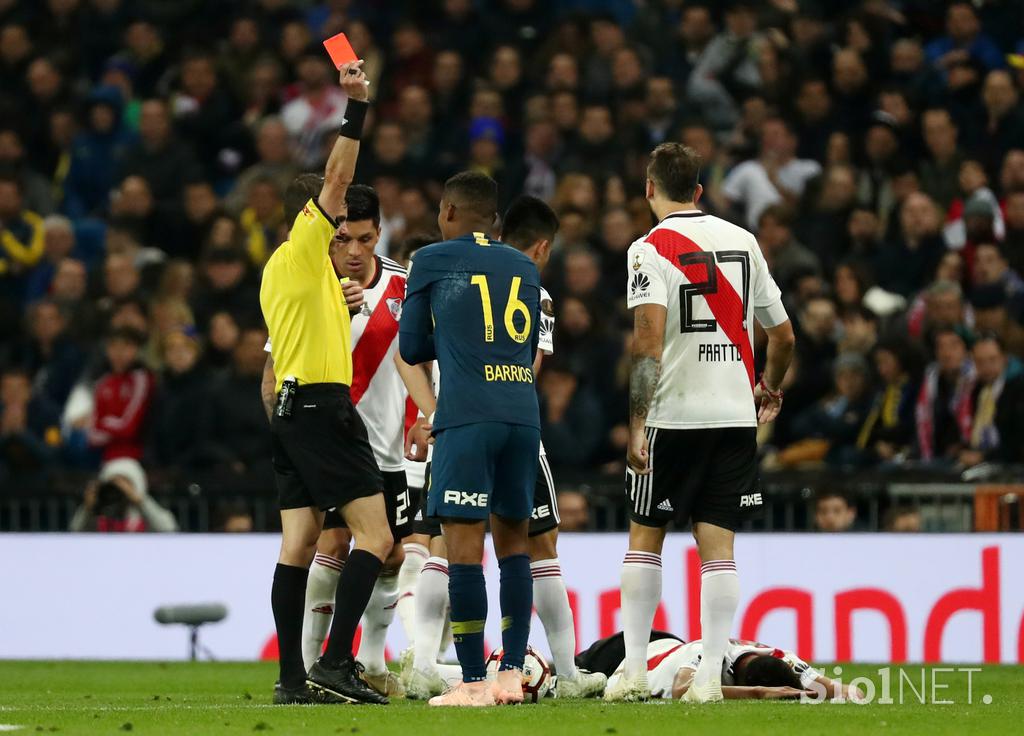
(473, 304)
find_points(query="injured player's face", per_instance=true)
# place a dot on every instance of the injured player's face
(352, 250)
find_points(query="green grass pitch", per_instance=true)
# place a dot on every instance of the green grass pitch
(233, 698)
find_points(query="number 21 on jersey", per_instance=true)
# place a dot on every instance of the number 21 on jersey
(513, 305)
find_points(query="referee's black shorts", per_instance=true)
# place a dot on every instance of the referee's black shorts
(322, 455)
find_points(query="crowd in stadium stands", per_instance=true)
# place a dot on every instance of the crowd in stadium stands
(876, 148)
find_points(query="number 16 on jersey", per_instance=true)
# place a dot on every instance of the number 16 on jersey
(513, 306)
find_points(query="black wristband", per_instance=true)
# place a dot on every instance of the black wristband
(355, 114)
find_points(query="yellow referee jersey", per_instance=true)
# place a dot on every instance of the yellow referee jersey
(304, 307)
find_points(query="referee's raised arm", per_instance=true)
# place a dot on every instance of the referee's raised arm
(322, 456)
(341, 165)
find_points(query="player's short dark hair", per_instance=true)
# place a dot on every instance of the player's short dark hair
(474, 192)
(764, 670)
(527, 220)
(363, 204)
(303, 188)
(674, 169)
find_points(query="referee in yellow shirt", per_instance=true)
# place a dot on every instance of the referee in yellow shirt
(322, 457)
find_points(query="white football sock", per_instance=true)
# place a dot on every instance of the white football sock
(719, 597)
(552, 603)
(431, 611)
(641, 593)
(409, 574)
(320, 592)
(450, 673)
(379, 613)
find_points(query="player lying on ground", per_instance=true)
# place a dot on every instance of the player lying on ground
(695, 284)
(750, 670)
(529, 225)
(473, 304)
(374, 288)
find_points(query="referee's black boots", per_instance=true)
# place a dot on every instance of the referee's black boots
(343, 681)
(305, 694)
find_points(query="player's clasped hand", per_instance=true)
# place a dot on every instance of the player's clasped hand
(418, 439)
(353, 293)
(353, 80)
(769, 403)
(637, 454)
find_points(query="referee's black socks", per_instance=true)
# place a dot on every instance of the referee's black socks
(354, 588)
(288, 599)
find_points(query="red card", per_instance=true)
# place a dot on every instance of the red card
(340, 50)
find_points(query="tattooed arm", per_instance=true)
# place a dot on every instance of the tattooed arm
(269, 383)
(648, 339)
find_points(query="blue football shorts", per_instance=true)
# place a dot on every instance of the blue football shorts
(484, 468)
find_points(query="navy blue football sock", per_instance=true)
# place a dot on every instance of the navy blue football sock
(468, 594)
(516, 609)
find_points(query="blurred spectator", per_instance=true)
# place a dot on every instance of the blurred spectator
(95, 153)
(58, 244)
(164, 162)
(37, 191)
(940, 169)
(964, 39)
(903, 264)
(997, 426)
(992, 269)
(233, 518)
(29, 430)
(316, 112)
(786, 257)
(902, 519)
(117, 501)
(727, 67)
(834, 512)
(275, 163)
(122, 399)
(204, 114)
(570, 416)
(943, 413)
(22, 234)
(888, 430)
(775, 177)
(234, 436)
(225, 285)
(183, 391)
(573, 511)
(52, 355)
(837, 419)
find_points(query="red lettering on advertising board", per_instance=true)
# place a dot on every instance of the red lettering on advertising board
(985, 600)
(774, 599)
(608, 604)
(870, 599)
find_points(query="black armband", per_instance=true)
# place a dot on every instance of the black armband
(355, 114)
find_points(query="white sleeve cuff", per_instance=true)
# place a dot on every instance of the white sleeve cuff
(771, 316)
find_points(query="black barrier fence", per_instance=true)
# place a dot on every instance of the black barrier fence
(940, 501)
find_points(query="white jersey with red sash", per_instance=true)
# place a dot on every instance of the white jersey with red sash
(713, 280)
(377, 389)
(665, 657)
